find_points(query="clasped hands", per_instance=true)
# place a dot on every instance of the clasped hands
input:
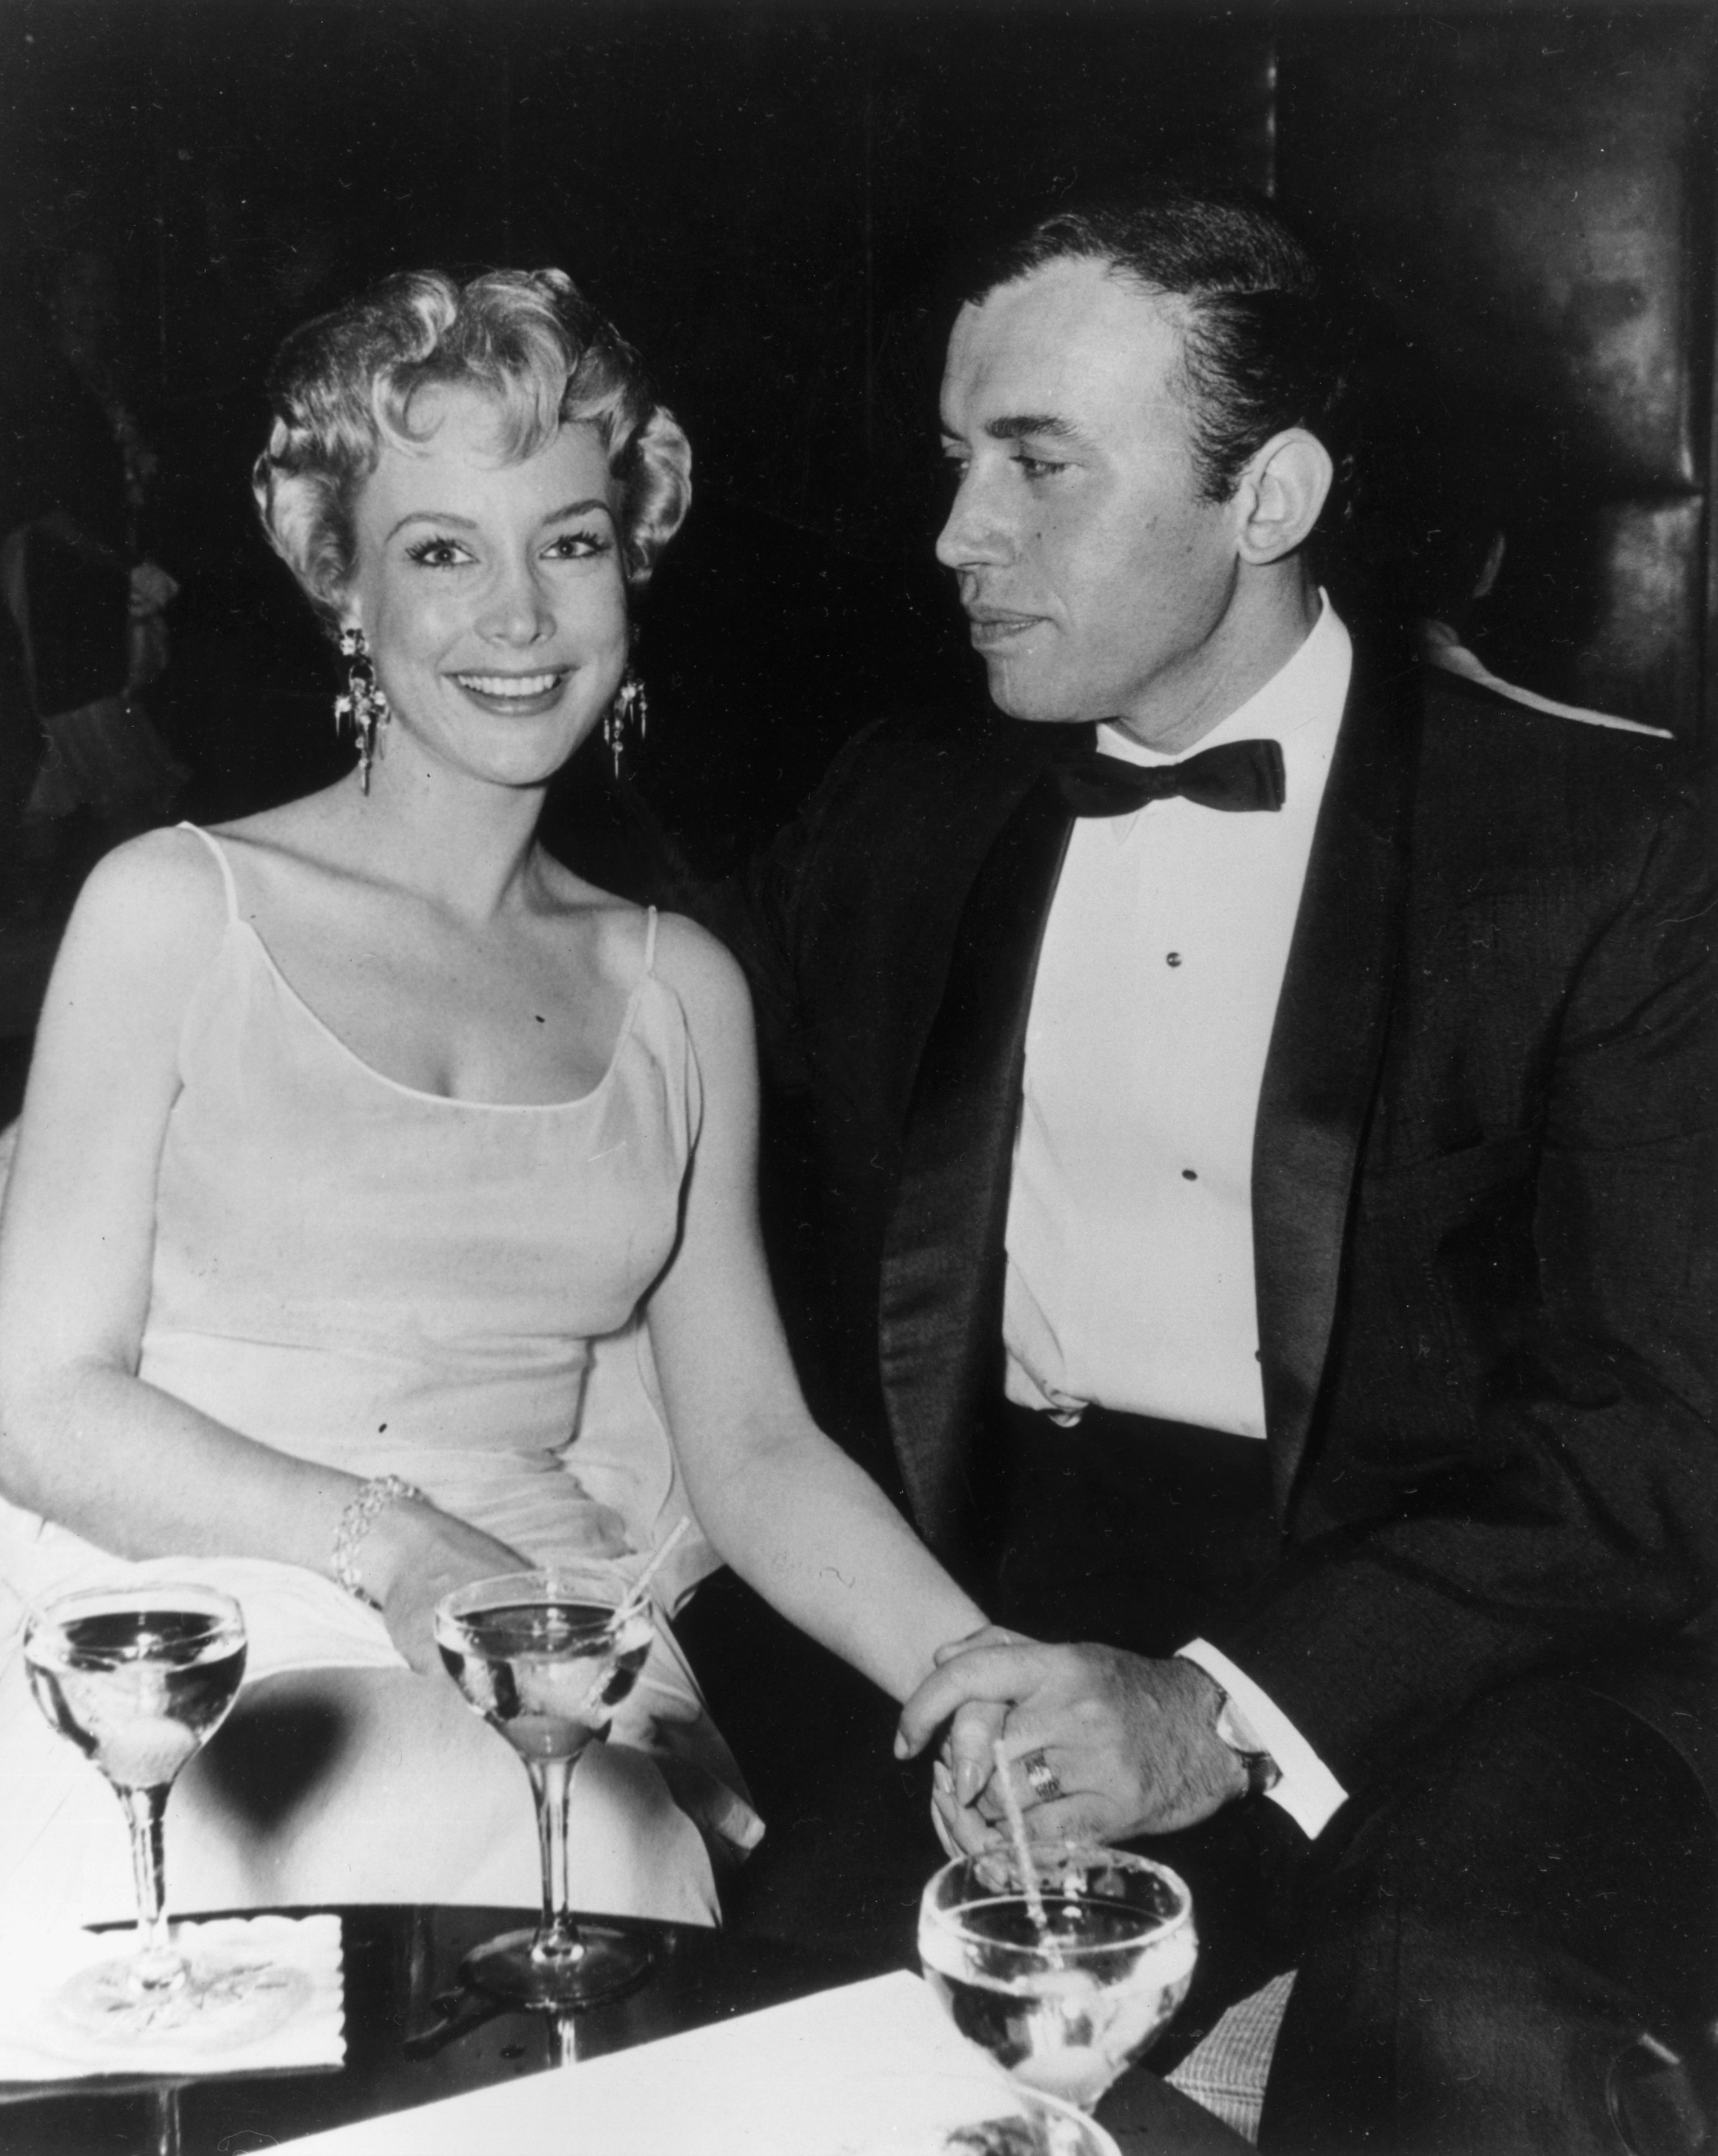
(1128, 1742)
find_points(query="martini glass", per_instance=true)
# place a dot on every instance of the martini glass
(545, 1658)
(139, 1678)
(1066, 1994)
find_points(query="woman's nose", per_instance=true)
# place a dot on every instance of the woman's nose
(516, 608)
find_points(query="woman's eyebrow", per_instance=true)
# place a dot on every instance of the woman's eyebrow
(579, 509)
(433, 516)
(562, 516)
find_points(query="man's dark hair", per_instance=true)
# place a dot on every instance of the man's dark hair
(1267, 346)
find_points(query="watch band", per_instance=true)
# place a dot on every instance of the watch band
(1262, 1772)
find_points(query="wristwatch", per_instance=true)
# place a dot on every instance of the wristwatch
(1230, 1728)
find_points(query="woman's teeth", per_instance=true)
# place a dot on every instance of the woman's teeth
(508, 685)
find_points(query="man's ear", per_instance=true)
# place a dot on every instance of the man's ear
(1280, 494)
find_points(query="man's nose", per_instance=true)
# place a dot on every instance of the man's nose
(974, 535)
(516, 608)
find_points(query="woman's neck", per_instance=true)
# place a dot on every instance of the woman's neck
(461, 842)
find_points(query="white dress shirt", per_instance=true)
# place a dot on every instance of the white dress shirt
(1129, 1238)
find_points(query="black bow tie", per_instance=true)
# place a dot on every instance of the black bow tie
(1243, 774)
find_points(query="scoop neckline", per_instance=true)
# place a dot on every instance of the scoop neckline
(417, 1092)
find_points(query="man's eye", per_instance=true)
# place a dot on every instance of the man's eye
(1037, 467)
(437, 554)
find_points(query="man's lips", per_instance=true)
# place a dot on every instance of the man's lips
(993, 625)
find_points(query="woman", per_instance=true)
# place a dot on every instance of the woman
(354, 1124)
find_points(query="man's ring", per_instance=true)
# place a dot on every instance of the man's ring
(1041, 1775)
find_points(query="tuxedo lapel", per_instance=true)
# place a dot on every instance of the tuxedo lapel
(1325, 1047)
(940, 1324)
(939, 1319)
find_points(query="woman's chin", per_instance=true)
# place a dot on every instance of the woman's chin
(520, 758)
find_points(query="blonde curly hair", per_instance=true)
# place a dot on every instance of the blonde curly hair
(344, 384)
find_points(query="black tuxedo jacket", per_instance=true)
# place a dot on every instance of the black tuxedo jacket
(1481, 1181)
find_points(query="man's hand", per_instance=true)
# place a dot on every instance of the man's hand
(1131, 1742)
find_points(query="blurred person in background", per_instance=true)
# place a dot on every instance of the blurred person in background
(86, 612)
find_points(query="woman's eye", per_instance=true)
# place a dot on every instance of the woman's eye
(578, 546)
(437, 554)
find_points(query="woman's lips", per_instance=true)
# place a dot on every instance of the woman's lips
(524, 695)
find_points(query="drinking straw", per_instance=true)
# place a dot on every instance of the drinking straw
(635, 1593)
(1016, 1827)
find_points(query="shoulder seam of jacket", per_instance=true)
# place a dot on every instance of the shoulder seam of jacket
(1442, 648)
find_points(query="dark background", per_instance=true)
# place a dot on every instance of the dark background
(766, 198)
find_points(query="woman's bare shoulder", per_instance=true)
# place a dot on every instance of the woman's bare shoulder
(308, 832)
(688, 958)
(148, 923)
(590, 927)
(701, 970)
(164, 884)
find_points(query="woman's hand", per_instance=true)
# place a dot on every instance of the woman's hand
(412, 1556)
(722, 1815)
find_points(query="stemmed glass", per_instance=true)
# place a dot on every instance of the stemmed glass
(545, 1658)
(139, 1678)
(1066, 1976)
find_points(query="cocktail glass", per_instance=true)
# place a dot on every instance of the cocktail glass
(1067, 2000)
(545, 1658)
(139, 1678)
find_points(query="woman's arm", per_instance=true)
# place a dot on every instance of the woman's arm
(83, 1440)
(782, 1504)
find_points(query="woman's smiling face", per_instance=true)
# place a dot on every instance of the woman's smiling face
(491, 595)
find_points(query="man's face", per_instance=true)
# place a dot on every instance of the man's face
(1096, 578)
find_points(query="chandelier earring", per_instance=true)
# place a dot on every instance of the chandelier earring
(625, 721)
(364, 706)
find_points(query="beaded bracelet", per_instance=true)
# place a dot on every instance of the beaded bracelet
(356, 1521)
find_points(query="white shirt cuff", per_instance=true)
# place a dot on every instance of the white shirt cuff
(1308, 1792)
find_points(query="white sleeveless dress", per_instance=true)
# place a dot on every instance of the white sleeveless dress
(389, 1282)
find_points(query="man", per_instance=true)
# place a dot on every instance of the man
(1260, 1215)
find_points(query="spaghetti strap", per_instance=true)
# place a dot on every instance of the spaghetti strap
(220, 852)
(649, 964)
